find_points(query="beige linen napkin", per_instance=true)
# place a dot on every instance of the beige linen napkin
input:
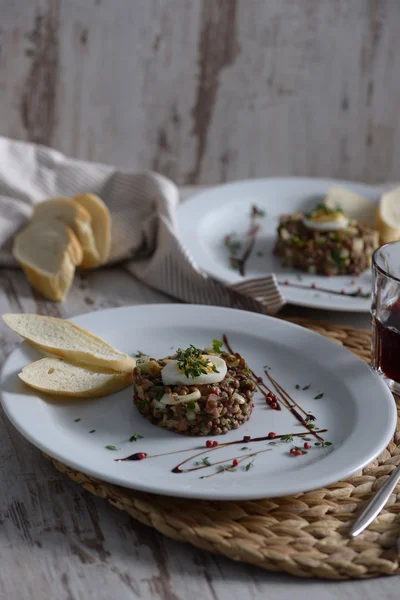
(144, 233)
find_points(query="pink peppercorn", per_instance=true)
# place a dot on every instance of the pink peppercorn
(141, 455)
(307, 446)
(273, 405)
(271, 435)
(215, 443)
(235, 462)
(209, 444)
(259, 379)
(246, 438)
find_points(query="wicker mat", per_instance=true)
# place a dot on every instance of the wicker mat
(305, 535)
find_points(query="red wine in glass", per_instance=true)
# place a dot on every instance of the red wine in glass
(386, 343)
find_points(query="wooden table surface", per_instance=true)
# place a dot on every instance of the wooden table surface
(57, 541)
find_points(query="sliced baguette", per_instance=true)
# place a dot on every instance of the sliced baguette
(77, 218)
(101, 225)
(67, 340)
(388, 218)
(48, 253)
(59, 378)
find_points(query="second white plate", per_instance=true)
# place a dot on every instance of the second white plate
(206, 218)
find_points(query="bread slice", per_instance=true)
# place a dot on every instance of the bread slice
(388, 218)
(67, 340)
(48, 253)
(101, 225)
(77, 218)
(353, 205)
(59, 378)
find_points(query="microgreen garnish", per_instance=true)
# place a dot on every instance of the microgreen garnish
(249, 465)
(110, 447)
(306, 439)
(232, 243)
(312, 426)
(139, 354)
(257, 212)
(93, 430)
(287, 438)
(297, 386)
(245, 448)
(273, 443)
(310, 418)
(267, 367)
(190, 405)
(318, 396)
(204, 461)
(217, 345)
(192, 362)
(135, 437)
(226, 468)
(159, 390)
(300, 450)
(323, 444)
(306, 387)
(76, 420)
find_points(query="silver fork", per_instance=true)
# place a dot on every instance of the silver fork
(376, 504)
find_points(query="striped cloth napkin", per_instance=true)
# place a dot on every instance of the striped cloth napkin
(144, 232)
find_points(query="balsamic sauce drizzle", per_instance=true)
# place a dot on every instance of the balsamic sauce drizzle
(251, 235)
(178, 467)
(356, 294)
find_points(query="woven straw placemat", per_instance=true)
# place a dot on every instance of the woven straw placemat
(305, 534)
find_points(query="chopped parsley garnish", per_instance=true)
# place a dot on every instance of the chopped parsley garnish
(190, 406)
(318, 396)
(306, 387)
(204, 461)
(257, 212)
(135, 437)
(249, 465)
(287, 438)
(245, 448)
(76, 420)
(273, 444)
(192, 362)
(139, 354)
(226, 468)
(306, 439)
(323, 444)
(232, 243)
(110, 447)
(159, 390)
(297, 387)
(217, 345)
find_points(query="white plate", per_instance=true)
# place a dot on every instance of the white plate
(357, 407)
(206, 218)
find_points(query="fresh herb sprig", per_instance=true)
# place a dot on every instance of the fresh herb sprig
(135, 437)
(192, 362)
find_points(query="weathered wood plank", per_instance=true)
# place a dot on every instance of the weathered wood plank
(208, 91)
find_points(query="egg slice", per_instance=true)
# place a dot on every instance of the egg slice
(322, 225)
(172, 375)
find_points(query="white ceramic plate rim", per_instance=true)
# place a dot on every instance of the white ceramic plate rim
(192, 210)
(370, 387)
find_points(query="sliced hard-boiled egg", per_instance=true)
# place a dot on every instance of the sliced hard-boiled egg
(331, 223)
(353, 205)
(172, 375)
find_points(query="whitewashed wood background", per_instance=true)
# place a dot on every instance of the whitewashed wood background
(207, 90)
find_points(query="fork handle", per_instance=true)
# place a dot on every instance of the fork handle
(374, 507)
